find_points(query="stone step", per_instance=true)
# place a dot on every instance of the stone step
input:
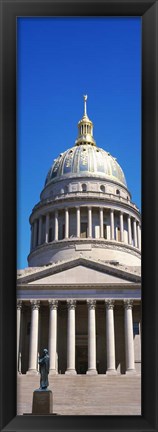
(85, 395)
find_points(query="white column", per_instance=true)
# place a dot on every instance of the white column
(91, 338)
(110, 337)
(35, 234)
(66, 223)
(89, 222)
(56, 225)
(53, 305)
(34, 336)
(19, 307)
(129, 344)
(71, 338)
(101, 223)
(129, 230)
(40, 231)
(112, 224)
(47, 229)
(139, 236)
(121, 227)
(78, 221)
(135, 232)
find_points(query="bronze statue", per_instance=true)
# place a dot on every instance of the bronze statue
(44, 369)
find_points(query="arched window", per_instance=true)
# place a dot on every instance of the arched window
(102, 188)
(84, 187)
(117, 192)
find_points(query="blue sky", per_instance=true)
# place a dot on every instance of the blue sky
(59, 60)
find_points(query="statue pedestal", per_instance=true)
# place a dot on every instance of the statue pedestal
(42, 402)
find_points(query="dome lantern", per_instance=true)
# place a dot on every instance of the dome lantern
(85, 128)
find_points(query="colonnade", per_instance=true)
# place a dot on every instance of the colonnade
(71, 335)
(133, 226)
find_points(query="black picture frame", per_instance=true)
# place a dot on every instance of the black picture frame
(148, 10)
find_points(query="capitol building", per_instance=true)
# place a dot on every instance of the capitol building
(80, 296)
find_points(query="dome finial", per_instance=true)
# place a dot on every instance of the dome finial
(85, 127)
(85, 97)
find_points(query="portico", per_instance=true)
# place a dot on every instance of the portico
(97, 339)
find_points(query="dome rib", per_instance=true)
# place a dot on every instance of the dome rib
(86, 159)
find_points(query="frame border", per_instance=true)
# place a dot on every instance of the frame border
(148, 10)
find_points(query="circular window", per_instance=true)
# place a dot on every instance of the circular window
(102, 188)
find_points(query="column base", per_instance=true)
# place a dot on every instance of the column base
(70, 372)
(130, 372)
(53, 372)
(91, 372)
(111, 372)
(32, 372)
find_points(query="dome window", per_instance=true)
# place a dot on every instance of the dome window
(102, 188)
(84, 187)
(117, 192)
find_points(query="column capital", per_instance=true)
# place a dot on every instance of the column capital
(35, 304)
(128, 304)
(19, 304)
(109, 304)
(71, 304)
(91, 304)
(53, 304)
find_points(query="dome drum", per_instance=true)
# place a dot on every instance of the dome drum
(90, 184)
(84, 224)
(67, 250)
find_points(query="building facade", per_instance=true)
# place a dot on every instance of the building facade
(80, 297)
